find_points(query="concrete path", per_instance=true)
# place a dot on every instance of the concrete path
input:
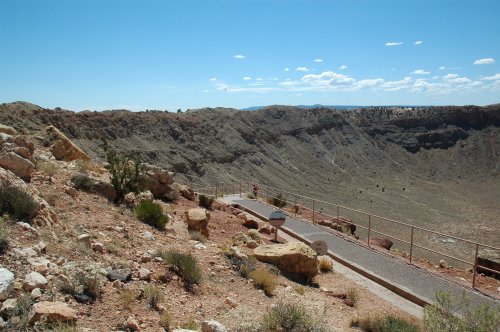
(417, 281)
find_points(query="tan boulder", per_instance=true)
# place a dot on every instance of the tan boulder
(158, 180)
(52, 312)
(64, 148)
(7, 130)
(21, 142)
(18, 165)
(184, 190)
(294, 257)
(197, 220)
(105, 190)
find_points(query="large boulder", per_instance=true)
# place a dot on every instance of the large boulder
(6, 283)
(158, 180)
(197, 220)
(184, 190)
(490, 259)
(34, 280)
(383, 243)
(341, 224)
(294, 257)
(105, 190)
(18, 165)
(45, 215)
(7, 130)
(63, 148)
(52, 312)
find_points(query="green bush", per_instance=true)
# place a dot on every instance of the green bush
(206, 201)
(127, 174)
(290, 318)
(278, 201)
(4, 237)
(186, 266)
(16, 203)
(82, 182)
(458, 315)
(384, 324)
(152, 214)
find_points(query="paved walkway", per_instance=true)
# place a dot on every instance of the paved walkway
(406, 276)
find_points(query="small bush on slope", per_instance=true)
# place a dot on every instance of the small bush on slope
(152, 214)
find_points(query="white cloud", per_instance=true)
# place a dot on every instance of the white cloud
(298, 95)
(420, 72)
(259, 79)
(485, 61)
(369, 83)
(206, 91)
(343, 67)
(286, 69)
(491, 78)
(304, 69)
(328, 78)
(393, 43)
(418, 42)
(318, 60)
(442, 68)
(239, 56)
(247, 78)
(213, 79)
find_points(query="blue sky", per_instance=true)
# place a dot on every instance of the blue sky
(106, 54)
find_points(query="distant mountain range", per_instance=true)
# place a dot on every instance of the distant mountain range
(340, 107)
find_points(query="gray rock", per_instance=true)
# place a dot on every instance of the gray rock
(148, 236)
(212, 326)
(85, 239)
(6, 283)
(34, 280)
(123, 275)
(8, 307)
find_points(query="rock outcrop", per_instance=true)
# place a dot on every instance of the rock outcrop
(45, 215)
(294, 257)
(7, 130)
(341, 224)
(52, 312)
(197, 220)
(158, 180)
(17, 164)
(63, 148)
(184, 190)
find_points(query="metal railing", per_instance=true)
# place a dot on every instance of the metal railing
(243, 187)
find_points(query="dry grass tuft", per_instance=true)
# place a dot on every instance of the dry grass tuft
(264, 280)
(325, 265)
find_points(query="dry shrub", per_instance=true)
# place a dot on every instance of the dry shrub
(154, 296)
(383, 324)
(264, 280)
(300, 290)
(46, 167)
(353, 295)
(185, 265)
(166, 321)
(4, 237)
(325, 265)
(290, 317)
(197, 236)
(127, 298)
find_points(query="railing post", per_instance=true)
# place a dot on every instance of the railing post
(338, 213)
(411, 244)
(232, 190)
(474, 269)
(369, 227)
(295, 207)
(313, 212)
(240, 188)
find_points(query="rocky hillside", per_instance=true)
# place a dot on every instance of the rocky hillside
(73, 257)
(436, 167)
